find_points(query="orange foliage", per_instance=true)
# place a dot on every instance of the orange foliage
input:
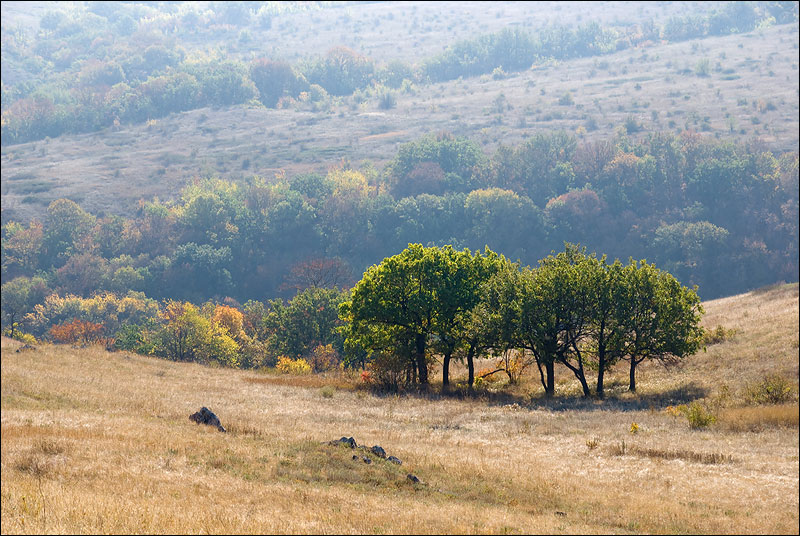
(77, 331)
(230, 318)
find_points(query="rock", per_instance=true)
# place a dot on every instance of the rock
(206, 416)
(367, 460)
(378, 451)
(355, 456)
(413, 478)
(562, 514)
(349, 441)
(394, 459)
(25, 348)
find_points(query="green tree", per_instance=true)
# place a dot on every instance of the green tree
(17, 298)
(659, 316)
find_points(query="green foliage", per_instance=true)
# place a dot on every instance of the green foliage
(773, 389)
(698, 416)
(717, 335)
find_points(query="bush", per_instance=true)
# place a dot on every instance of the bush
(386, 99)
(697, 415)
(296, 367)
(717, 335)
(324, 358)
(773, 389)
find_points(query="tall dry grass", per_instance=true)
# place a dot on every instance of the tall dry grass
(98, 442)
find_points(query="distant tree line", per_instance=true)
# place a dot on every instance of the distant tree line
(94, 69)
(717, 214)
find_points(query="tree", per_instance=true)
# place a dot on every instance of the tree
(17, 298)
(394, 302)
(310, 319)
(66, 225)
(659, 316)
(319, 273)
(555, 305)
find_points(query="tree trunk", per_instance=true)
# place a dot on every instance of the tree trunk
(582, 377)
(600, 391)
(471, 365)
(446, 371)
(632, 384)
(550, 368)
(422, 367)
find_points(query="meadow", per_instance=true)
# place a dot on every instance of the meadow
(98, 442)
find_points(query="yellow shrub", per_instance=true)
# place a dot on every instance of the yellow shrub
(287, 365)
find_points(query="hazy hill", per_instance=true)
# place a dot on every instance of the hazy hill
(97, 442)
(740, 86)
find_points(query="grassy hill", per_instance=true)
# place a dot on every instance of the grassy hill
(740, 86)
(98, 442)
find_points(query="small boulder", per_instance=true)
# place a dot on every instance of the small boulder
(206, 416)
(413, 478)
(394, 459)
(378, 451)
(366, 460)
(348, 441)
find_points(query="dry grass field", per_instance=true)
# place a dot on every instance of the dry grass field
(94, 442)
(750, 93)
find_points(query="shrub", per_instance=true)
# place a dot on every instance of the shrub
(386, 99)
(327, 391)
(566, 99)
(697, 415)
(324, 357)
(773, 389)
(717, 335)
(297, 367)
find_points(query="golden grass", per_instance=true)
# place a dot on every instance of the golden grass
(102, 443)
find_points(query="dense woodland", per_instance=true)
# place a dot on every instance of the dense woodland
(255, 272)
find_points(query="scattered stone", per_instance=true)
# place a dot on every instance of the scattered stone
(378, 451)
(355, 456)
(395, 459)
(562, 514)
(366, 460)
(206, 416)
(25, 348)
(349, 441)
(413, 478)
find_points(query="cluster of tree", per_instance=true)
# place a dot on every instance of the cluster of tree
(96, 68)
(573, 309)
(256, 334)
(717, 214)
(515, 49)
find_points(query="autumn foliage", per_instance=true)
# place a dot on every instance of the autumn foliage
(77, 331)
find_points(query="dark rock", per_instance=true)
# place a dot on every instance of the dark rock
(206, 416)
(349, 441)
(562, 514)
(394, 459)
(367, 460)
(413, 478)
(378, 451)
(355, 456)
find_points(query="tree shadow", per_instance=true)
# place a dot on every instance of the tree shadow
(613, 401)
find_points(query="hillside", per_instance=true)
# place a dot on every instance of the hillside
(750, 94)
(98, 442)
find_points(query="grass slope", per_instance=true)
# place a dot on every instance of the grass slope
(750, 93)
(97, 442)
